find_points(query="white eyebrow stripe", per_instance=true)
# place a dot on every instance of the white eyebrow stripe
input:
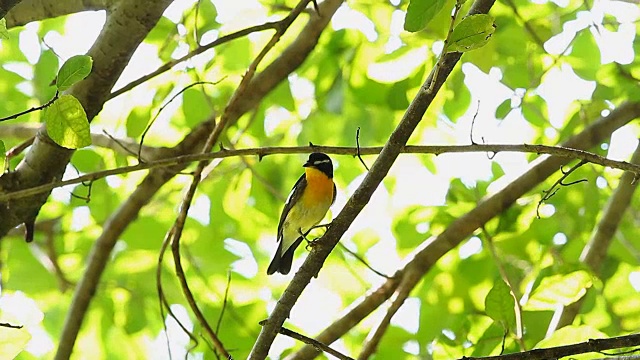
(322, 161)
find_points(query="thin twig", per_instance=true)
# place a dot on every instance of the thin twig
(212, 139)
(353, 253)
(363, 261)
(505, 277)
(37, 108)
(167, 66)
(262, 152)
(195, 21)
(146, 130)
(224, 302)
(358, 149)
(48, 227)
(16, 150)
(592, 345)
(307, 340)
(373, 339)
(122, 146)
(548, 194)
(162, 299)
(261, 179)
(473, 122)
(436, 68)
(526, 24)
(11, 326)
(86, 198)
(315, 7)
(232, 313)
(175, 251)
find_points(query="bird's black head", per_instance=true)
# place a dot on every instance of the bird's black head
(321, 162)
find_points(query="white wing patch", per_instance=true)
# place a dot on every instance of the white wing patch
(290, 195)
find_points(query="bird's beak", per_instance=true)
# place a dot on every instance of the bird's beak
(307, 164)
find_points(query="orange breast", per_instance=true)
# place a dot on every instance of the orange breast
(319, 188)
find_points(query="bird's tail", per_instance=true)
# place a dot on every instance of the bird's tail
(282, 262)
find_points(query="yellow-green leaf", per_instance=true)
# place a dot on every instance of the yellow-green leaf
(499, 304)
(4, 34)
(420, 12)
(572, 334)
(559, 290)
(67, 123)
(12, 341)
(472, 33)
(73, 70)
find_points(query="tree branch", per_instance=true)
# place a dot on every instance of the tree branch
(593, 345)
(178, 226)
(126, 146)
(595, 251)
(360, 198)
(112, 229)
(429, 252)
(199, 50)
(6, 5)
(290, 58)
(128, 211)
(45, 162)
(34, 10)
(558, 151)
(401, 294)
(307, 340)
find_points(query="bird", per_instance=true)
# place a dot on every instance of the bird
(308, 203)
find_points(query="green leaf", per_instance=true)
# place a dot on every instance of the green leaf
(397, 96)
(207, 13)
(508, 220)
(496, 170)
(136, 315)
(67, 123)
(237, 54)
(571, 334)
(503, 109)
(13, 341)
(44, 73)
(163, 29)
(3, 159)
(282, 96)
(87, 160)
(585, 55)
(404, 229)
(559, 290)
(499, 304)
(4, 34)
(73, 70)
(534, 110)
(420, 12)
(458, 96)
(138, 119)
(334, 99)
(471, 33)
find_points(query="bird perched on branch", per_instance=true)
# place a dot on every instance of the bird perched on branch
(308, 203)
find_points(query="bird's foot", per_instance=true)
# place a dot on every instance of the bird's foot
(311, 243)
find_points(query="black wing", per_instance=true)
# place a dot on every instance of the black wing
(295, 195)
